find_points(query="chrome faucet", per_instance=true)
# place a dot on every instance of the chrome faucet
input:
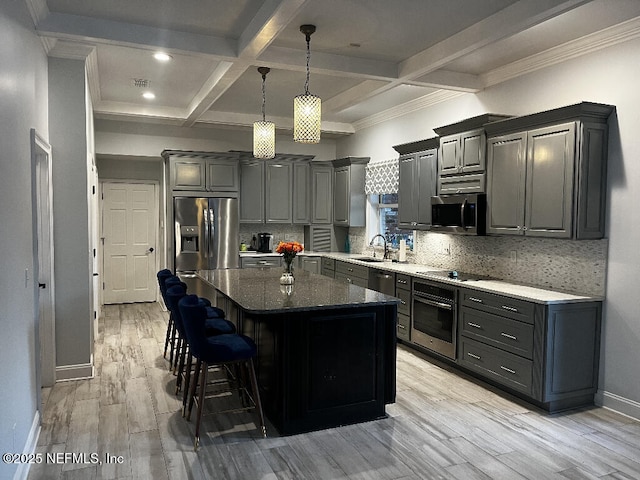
(384, 239)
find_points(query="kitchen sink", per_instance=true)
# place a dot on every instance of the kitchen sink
(370, 259)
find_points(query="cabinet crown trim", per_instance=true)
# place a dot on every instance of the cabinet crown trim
(417, 146)
(469, 124)
(583, 111)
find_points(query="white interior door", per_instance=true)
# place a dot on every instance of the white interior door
(129, 228)
(41, 152)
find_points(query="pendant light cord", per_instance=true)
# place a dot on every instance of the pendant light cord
(264, 80)
(306, 83)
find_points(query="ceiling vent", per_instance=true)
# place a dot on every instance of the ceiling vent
(141, 82)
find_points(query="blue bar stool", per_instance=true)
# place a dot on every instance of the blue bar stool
(213, 326)
(226, 351)
(163, 275)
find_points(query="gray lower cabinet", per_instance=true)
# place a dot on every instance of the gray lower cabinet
(310, 263)
(328, 267)
(547, 178)
(547, 353)
(351, 273)
(321, 192)
(417, 184)
(261, 261)
(403, 292)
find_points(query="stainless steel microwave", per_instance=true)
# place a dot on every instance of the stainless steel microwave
(460, 214)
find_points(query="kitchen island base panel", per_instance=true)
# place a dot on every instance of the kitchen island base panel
(326, 369)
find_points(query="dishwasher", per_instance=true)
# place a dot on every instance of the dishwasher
(382, 281)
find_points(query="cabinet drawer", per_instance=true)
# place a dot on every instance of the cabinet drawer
(257, 262)
(404, 327)
(403, 282)
(505, 333)
(359, 281)
(503, 306)
(352, 270)
(500, 366)
(404, 306)
(328, 263)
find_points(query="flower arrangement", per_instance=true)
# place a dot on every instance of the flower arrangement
(289, 250)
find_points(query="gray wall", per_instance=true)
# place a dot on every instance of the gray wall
(608, 76)
(68, 137)
(23, 105)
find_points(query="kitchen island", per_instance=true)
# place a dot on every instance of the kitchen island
(326, 349)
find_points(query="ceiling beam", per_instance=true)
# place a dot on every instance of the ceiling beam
(272, 17)
(80, 28)
(505, 23)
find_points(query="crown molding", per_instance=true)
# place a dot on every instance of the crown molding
(406, 108)
(71, 50)
(607, 37)
(38, 10)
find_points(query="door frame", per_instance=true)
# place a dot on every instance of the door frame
(156, 201)
(45, 338)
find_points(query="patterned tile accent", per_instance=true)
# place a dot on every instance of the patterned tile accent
(381, 177)
(565, 265)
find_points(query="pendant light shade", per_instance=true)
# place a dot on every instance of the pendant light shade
(264, 133)
(307, 108)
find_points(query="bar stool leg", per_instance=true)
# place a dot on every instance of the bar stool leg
(187, 382)
(173, 343)
(201, 395)
(192, 393)
(168, 337)
(256, 396)
(181, 356)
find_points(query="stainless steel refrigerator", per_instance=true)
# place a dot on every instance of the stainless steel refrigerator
(205, 233)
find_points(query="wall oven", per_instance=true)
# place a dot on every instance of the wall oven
(462, 214)
(434, 317)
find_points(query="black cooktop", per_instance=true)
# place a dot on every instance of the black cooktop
(455, 275)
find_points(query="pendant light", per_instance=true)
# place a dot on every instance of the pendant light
(307, 107)
(264, 133)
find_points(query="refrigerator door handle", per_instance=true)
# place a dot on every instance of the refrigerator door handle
(205, 248)
(212, 236)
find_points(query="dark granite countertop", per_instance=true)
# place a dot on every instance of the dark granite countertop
(258, 290)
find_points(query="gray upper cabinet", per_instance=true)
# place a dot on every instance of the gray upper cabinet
(321, 192)
(187, 175)
(301, 193)
(252, 191)
(462, 155)
(203, 171)
(222, 175)
(417, 184)
(349, 199)
(278, 192)
(549, 180)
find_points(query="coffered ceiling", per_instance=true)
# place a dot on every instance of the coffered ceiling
(370, 59)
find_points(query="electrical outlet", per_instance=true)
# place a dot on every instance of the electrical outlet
(513, 255)
(446, 249)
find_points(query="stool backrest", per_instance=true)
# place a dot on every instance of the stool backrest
(163, 275)
(193, 315)
(174, 294)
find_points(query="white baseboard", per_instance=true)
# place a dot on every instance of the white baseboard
(29, 447)
(622, 405)
(74, 372)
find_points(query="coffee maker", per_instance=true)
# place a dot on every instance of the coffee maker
(265, 243)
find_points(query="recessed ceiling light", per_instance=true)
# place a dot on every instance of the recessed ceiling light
(148, 95)
(162, 57)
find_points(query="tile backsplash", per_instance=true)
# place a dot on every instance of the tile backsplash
(567, 265)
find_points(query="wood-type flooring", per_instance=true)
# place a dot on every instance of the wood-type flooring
(444, 425)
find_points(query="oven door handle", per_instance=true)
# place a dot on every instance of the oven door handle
(444, 306)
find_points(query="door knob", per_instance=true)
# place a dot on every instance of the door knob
(150, 250)
(42, 285)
